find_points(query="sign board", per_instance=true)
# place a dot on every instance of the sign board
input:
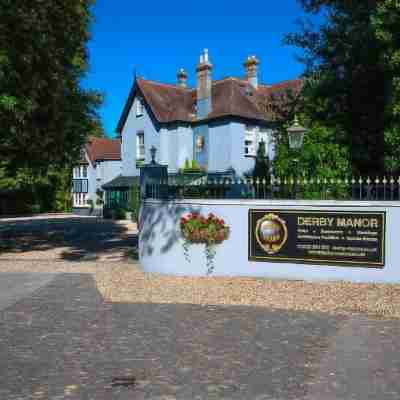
(343, 238)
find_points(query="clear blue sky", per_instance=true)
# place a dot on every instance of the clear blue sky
(157, 38)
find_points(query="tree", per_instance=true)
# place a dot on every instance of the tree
(386, 22)
(320, 157)
(350, 81)
(45, 116)
(261, 167)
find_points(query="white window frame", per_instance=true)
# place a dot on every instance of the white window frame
(250, 137)
(139, 107)
(80, 200)
(80, 172)
(140, 147)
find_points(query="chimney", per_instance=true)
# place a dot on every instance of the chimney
(251, 65)
(182, 78)
(204, 83)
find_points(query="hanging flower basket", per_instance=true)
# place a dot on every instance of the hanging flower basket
(211, 231)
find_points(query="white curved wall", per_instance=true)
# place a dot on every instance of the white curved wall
(160, 244)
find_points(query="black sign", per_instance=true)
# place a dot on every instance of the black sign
(347, 238)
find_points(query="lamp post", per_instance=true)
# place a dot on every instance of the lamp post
(153, 151)
(296, 134)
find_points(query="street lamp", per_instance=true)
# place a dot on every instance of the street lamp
(296, 134)
(153, 151)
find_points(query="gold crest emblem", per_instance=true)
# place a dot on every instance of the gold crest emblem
(271, 233)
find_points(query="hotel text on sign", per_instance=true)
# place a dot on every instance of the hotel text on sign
(347, 238)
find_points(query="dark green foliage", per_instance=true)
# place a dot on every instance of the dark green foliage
(190, 167)
(47, 192)
(261, 168)
(351, 81)
(319, 157)
(134, 203)
(45, 115)
(91, 206)
(99, 197)
(119, 213)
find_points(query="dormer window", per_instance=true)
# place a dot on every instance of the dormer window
(139, 107)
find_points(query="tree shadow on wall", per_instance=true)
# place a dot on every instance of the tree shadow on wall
(161, 220)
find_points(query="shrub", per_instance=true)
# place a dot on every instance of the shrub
(134, 202)
(190, 167)
(91, 204)
(119, 213)
(99, 197)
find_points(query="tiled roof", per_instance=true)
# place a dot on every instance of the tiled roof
(230, 97)
(103, 149)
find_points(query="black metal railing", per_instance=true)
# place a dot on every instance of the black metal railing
(386, 189)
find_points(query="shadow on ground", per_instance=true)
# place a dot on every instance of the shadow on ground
(75, 238)
(64, 340)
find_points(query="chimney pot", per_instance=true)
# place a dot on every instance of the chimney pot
(204, 85)
(251, 66)
(182, 78)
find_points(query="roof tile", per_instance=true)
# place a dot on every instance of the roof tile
(103, 149)
(230, 97)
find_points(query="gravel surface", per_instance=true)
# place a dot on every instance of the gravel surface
(125, 282)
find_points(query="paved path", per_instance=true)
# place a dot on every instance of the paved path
(15, 286)
(63, 342)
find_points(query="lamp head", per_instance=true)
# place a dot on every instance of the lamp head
(296, 134)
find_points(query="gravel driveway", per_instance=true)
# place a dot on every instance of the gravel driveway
(66, 237)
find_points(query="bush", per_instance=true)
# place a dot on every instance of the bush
(190, 167)
(35, 208)
(99, 197)
(134, 202)
(91, 205)
(119, 213)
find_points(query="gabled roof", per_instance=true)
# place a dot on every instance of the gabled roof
(230, 97)
(101, 149)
